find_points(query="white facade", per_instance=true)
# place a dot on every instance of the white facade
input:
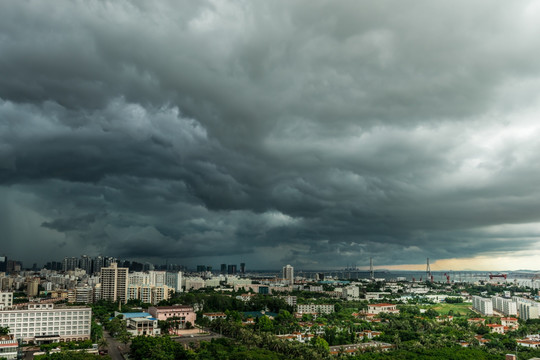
(8, 347)
(174, 280)
(527, 309)
(194, 283)
(483, 305)
(44, 322)
(315, 308)
(290, 300)
(6, 300)
(148, 294)
(505, 306)
(157, 278)
(288, 274)
(351, 293)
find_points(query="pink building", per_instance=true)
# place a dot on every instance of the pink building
(181, 313)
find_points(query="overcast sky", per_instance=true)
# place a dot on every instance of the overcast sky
(315, 133)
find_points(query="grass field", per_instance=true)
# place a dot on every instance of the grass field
(463, 309)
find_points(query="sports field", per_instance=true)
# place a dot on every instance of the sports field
(463, 309)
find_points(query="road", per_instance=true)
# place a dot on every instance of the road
(113, 346)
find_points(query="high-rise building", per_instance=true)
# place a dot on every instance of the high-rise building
(32, 287)
(97, 263)
(114, 283)
(231, 269)
(3, 263)
(483, 305)
(157, 278)
(108, 261)
(70, 263)
(85, 263)
(174, 280)
(223, 269)
(243, 268)
(288, 273)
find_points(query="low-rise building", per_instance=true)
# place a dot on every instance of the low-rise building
(510, 322)
(290, 300)
(41, 323)
(496, 328)
(315, 308)
(530, 343)
(140, 323)
(9, 347)
(180, 313)
(214, 316)
(382, 308)
(6, 300)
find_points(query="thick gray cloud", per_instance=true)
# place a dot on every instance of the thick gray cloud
(316, 133)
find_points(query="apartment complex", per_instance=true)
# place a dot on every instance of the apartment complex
(148, 293)
(288, 274)
(483, 305)
(527, 309)
(503, 305)
(114, 283)
(6, 300)
(40, 323)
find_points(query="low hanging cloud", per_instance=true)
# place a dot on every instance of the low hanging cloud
(314, 133)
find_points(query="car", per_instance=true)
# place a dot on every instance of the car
(103, 352)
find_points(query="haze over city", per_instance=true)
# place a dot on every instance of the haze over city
(311, 133)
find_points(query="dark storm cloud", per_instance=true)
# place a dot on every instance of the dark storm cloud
(316, 133)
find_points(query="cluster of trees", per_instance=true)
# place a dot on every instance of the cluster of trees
(72, 345)
(207, 301)
(71, 355)
(117, 328)
(265, 340)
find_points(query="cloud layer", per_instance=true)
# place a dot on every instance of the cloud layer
(316, 133)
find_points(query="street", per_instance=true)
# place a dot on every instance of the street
(113, 346)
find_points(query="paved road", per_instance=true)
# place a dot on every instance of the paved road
(113, 346)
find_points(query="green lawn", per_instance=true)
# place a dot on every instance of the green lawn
(443, 309)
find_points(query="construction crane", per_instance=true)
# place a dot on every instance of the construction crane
(491, 276)
(447, 278)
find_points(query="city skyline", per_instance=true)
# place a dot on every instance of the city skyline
(312, 134)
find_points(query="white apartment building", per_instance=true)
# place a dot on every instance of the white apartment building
(157, 278)
(149, 294)
(288, 274)
(315, 308)
(44, 323)
(6, 300)
(139, 278)
(174, 280)
(505, 306)
(527, 309)
(290, 300)
(483, 305)
(194, 283)
(350, 293)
